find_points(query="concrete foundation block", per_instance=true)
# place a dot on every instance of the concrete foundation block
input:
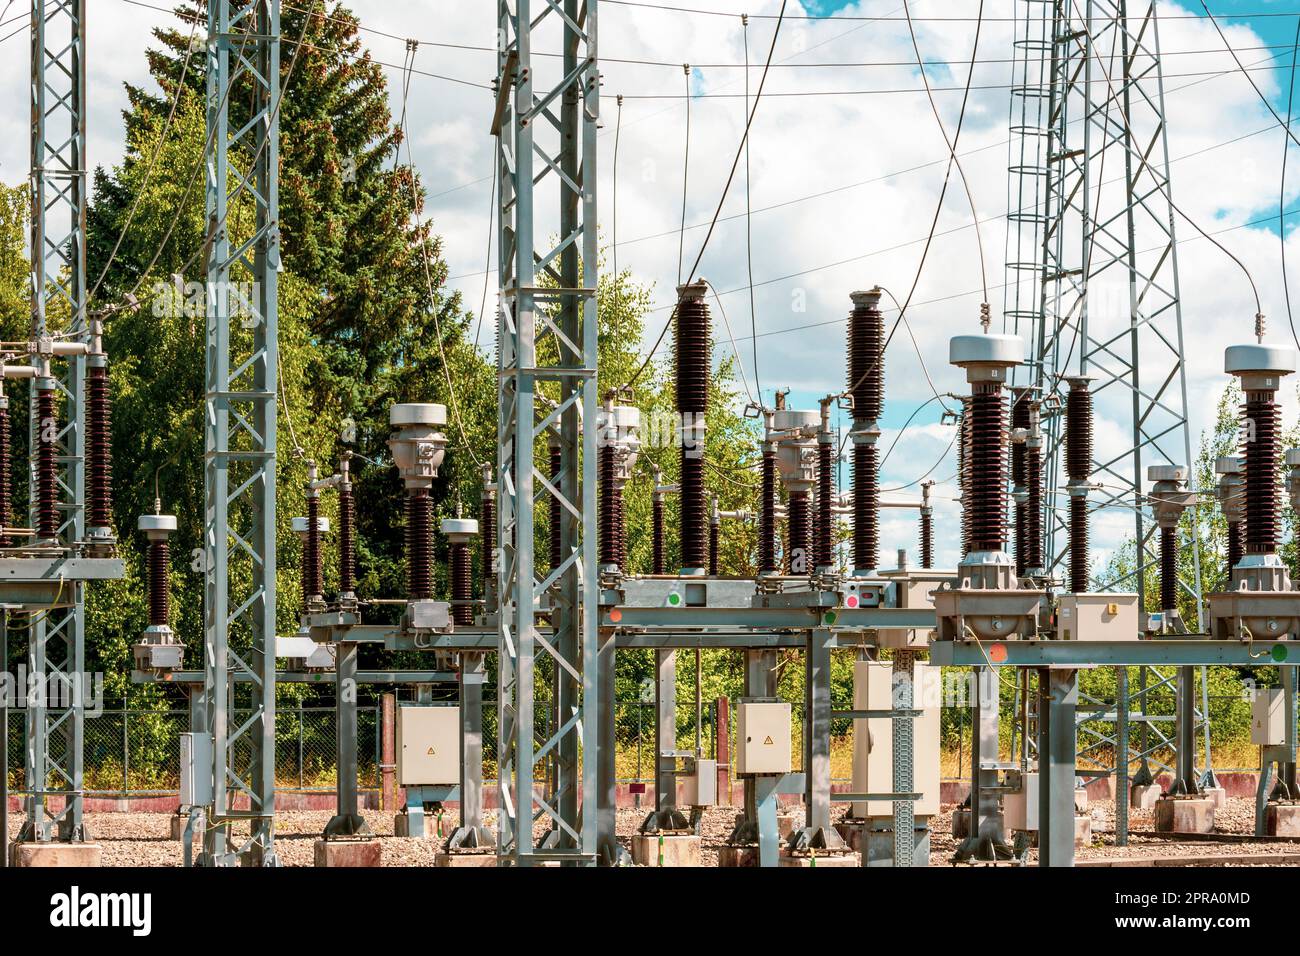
(880, 845)
(1184, 815)
(850, 832)
(1081, 800)
(960, 823)
(1082, 831)
(738, 856)
(349, 853)
(465, 859)
(787, 823)
(402, 827)
(176, 829)
(681, 850)
(1145, 797)
(55, 854)
(1282, 819)
(809, 862)
(1218, 794)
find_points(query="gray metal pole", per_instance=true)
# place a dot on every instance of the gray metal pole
(1121, 756)
(665, 730)
(1058, 695)
(347, 820)
(904, 752)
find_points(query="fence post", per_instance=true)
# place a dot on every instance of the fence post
(126, 749)
(300, 746)
(722, 749)
(388, 755)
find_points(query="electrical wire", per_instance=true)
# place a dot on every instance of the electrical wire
(152, 164)
(749, 230)
(686, 173)
(1141, 157)
(1281, 196)
(734, 163)
(1258, 92)
(952, 146)
(668, 8)
(732, 338)
(487, 267)
(453, 401)
(938, 209)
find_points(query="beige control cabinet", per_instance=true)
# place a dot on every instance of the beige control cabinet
(428, 746)
(873, 738)
(762, 738)
(1097, 616)
(1268, 717)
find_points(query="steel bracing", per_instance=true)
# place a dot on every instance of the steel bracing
(1090, 189)
(55, 729)
(242, 157)
(546, 122)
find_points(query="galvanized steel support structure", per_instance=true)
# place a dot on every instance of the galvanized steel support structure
(545, 124)
(1090, 189)
(57, 644)
(243, 159)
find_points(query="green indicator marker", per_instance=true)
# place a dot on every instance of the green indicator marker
(1279, 652)
(674, 599)
(829, 618)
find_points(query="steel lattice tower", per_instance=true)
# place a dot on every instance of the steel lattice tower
(546, 137)
(1090, 190)
(243, 53)
(56, 730)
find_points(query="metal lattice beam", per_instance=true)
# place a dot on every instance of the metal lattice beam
(55, 730)
(546, 140)
(240, 425)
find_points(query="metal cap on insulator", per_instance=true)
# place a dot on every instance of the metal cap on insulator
(418, 447)
(986, 358)
(1260, 367)
(300, 526)
(459, 530)
(1169, 495)
(158, 527)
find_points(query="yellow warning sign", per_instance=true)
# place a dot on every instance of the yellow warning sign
(432, 752)
(767, 741)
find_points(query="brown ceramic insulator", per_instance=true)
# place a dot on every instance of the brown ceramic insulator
(419, 545)
(1168, 568)
(693, 355)
(657, 535)
(488, 524)
(1236, 544)
(1020, 518)
(1078, 432)
(866, 507)
(1033, 508)
(99, 450)
(866, 365)
(767, 515)
(1261, 473)
(462, 583)
(556, 509)
(1078, 544)
(823, 540)
(692, 339)
(6, 483)
(963, 473)
(694, 512)
(927, 540)
(714, 529)
(987, 504)
(159, 582)
(611, 511)
(799, 531)
(47, 448)
(312, 581)
(347, 538)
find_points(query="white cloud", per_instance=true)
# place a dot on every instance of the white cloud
(804, 145)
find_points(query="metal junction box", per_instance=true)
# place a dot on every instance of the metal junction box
(1268, 717)
(873, 738)
(1020, 807)
(428, 746)
(196, 769)
(762, 738)
(911, 589)
(1097, 616)
(700, 787)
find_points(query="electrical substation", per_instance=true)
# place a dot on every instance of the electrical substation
(522, 642)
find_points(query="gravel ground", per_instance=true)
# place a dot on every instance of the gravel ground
(141, 839)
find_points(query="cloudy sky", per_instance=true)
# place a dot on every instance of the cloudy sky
(847, 164)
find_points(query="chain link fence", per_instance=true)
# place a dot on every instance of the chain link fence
(130, 751)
